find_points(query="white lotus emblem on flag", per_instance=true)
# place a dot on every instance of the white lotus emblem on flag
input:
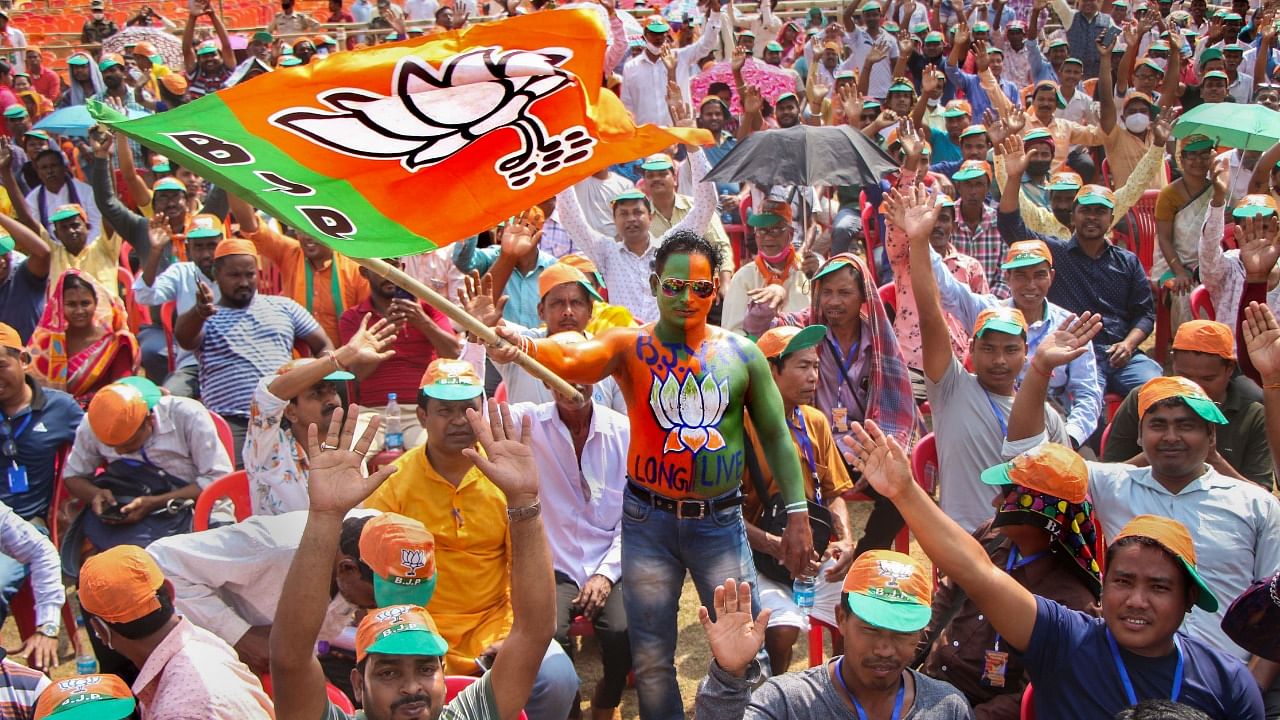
(433, 113)
(689, 411)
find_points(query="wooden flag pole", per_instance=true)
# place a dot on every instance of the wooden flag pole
(468, 323)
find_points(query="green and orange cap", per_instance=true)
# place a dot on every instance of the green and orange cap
(889, 590)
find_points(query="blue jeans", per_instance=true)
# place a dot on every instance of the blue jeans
(657, 549)
(554, 688)
(1139, 370)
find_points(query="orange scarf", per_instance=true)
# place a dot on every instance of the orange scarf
(772, 277)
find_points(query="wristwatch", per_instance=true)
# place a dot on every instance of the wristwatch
(49, 630)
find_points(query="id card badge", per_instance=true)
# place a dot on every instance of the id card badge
(18, 479)
(995, 665)
(840, 419)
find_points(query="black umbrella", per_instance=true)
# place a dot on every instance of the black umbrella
(805, 155)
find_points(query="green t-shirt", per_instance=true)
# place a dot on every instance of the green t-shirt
(476, 702)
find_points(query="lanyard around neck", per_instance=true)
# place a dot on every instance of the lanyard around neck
(1124, 672)
(857, 706)
(995, 410)
(802, 437)
(333, 285)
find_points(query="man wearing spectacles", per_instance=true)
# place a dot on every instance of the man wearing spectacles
(687, 384)
(777, 276)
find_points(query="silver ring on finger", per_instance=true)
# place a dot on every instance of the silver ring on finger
(327, 446)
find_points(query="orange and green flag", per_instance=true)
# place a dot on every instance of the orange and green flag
(405, 147)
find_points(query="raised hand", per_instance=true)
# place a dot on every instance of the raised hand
(1258, 250)
(1015, 121)
(681, 113)
(1262, 338)
(103, 143)
(521, 234)
(907, 44)
(1221, 175)
(913, 211)
(1069, 341)
(1015, 158)
(1163, 128)
(851, 102)
(335, 483)
(881, 460)
(735, 637)
(909, 138)
(996, 129)
(6, 156)
(963, 34)
(204, 301)
(752, 101)
(371, 344)
(669, 59)
(476, 297)
(158, 232)
(739, 59)
(878, 52)
(507, 460)
(980, 60)
(930, 82)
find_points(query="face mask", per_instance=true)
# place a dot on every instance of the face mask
(776, 260)
(655, 49)
(932, 102)
(1038, 168)
(1137, 123)
(135, 74)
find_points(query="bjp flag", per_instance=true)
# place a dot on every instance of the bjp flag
(405, 147)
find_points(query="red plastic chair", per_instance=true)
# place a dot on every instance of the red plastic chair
(1028, 704)
(224, 434)
(1102, 444)
(889, 297)
(235, 487)
(817, 653)
(454, 684)
(1112, 401)
(871, 233)
(335, 696)
(1142, 219)
(1202, 304)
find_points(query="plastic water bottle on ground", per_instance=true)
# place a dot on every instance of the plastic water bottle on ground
(86, 664)
(803, 591)
(394, 436)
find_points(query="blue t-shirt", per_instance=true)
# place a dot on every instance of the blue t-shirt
(943, 149)
(1071, 667)
(54, 417)
(22, 300)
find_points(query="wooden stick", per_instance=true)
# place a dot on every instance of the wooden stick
(468, 323)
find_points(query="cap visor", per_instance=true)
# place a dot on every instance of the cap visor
(1206, 409)
(453, 392)
(388, 593)
(1003, 326)
(339, 376)
(968, 174)
(1095, 200)
(1064, 186)
(1023, 261)
(1205, 599)
(410, 642)
(997, 475)
(204, 233)
(112, 709)
(892, 616)
(591, 290)
(764, 220)
(808, 337)
(64, 215)
(1252, 211)
(657, 166)
(832, 268)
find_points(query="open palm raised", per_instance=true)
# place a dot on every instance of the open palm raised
(335, 483)
(734, 635)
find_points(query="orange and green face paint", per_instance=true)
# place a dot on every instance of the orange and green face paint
(686, 289)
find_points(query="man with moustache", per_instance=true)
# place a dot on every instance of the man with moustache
(243, 336)
(687, 385)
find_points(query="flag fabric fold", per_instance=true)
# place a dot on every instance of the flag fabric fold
(410, 146)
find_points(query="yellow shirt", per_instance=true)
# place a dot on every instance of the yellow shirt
(472, 602)
(99, 259)
(606, 317)
(1124, 150)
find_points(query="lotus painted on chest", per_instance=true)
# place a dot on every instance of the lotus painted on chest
(433, 113)
(689, 411)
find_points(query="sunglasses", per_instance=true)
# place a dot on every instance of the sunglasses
(9, 448)
(671, 287)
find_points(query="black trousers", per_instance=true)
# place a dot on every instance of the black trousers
(611, 630)
(883, 524)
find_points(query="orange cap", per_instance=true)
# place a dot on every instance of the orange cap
(401, 554)
(1163, 388)
(562, 273)
(9, 338)
(174, 83)
(120, 584)
(1051, 469)
(1000, 319)
(1173, 537)
(399, 630)
(205, 226)
(786, 339)
(116, 412)
(235, 246)
(580, 261)
(447, 379)
(890, 590)
(1206, 336)
(102, 697)
(145, 48)
(1024, 253)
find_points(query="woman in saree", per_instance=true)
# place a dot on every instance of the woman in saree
(82, 342)
(1181, 210)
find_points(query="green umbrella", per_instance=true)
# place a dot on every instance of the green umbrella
(1249, 127)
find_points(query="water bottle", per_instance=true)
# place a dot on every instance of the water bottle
(391, 425)
(802, 592)
(86, 664)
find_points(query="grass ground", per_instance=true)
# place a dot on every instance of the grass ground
(691, 661)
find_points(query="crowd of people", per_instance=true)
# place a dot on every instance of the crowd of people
(1044, 343)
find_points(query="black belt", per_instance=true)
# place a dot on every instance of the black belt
(685, 509)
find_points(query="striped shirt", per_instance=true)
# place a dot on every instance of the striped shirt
(22, 687)
(242, 345)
